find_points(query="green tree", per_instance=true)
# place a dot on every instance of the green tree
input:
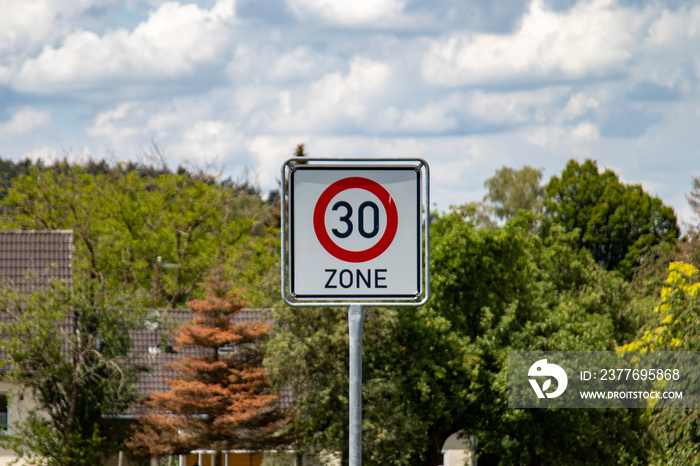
(66, 347)
(509, 289)
(9, 170)
(308, 352)
(440, 369)
(617, 223)
(510, 191)
(123, 220)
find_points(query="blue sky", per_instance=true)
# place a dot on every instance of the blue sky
(468, 86)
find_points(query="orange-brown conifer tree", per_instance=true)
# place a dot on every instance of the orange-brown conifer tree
(220, 401)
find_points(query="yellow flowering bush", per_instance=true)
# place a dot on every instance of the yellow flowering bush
(678, 310)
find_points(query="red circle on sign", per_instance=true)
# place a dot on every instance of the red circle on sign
(392, 219)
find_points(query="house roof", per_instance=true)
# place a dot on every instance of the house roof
(31, 259)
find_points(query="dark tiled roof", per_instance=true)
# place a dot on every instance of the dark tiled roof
(31, 259)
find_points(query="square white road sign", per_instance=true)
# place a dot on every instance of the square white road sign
(355, 232)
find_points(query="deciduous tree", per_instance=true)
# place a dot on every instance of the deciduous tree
(617, 223)
(510, 191)
(674, 329)
(65, 347)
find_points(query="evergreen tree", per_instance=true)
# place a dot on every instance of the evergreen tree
(221, 400)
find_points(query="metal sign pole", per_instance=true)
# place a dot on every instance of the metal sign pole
(356, 317)
(366, 224)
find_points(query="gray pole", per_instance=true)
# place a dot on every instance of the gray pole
(356, 317)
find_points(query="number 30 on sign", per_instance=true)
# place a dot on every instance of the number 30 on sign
(356, 232)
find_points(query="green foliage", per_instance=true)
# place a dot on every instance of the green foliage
(65, 347)
(676, 327)
(508, 289)
(428, 372)
(678, 432)
(617, 223)
(309, 351)
(440, 369)
(10, 170)
(123, 220)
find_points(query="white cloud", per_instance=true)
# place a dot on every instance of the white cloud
(431, 118)
(45, 153)
(349, 13)
(613, 80)
(585, 131)
(208, 142)
(472, 111)
(336, 101)
(594, 38)
(570, 140)
(26, 25)
(184, 129)
(25, 120)
(519, 107)
(116, 126)
(578, 105)
(270, 153)
(298, 63)
(174, 41)
(668, 58)
(672, 28)
(277, 64)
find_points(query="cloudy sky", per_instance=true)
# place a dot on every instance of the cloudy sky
(470, 86)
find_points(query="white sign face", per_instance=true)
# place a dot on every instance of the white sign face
(355, 232)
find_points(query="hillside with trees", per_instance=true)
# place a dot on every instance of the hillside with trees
(125, 217)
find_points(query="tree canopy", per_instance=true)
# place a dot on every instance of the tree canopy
(617, 223)
(511, 191)
(443, 366)
(556, 280)
(124, 219)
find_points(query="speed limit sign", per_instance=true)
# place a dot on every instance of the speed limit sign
(356, 231)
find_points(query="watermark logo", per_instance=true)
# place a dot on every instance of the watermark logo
(544, 369)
